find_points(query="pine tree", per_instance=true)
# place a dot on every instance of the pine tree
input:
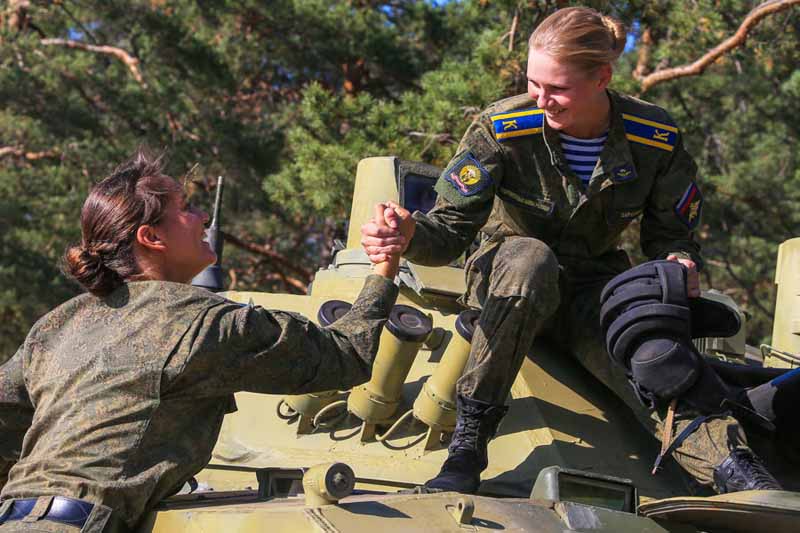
(283, 98)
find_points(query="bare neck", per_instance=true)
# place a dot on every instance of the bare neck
(597, 123)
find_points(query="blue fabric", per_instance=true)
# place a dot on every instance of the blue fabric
(582, 154)
(63, 510)
(519, 123)
(651, 133)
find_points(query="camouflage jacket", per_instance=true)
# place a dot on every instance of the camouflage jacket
(120, 400)
(510, 177)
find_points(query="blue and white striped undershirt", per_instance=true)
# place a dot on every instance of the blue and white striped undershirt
(582, 154)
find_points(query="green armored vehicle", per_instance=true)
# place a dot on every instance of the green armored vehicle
(568, 456)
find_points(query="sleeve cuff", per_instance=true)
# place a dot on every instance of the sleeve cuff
(413, 250)
(684, 255)
(377, 297)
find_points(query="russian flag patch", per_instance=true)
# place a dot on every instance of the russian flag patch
(689, 206)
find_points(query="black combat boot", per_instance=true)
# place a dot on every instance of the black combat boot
(742, 470)
(476, 424)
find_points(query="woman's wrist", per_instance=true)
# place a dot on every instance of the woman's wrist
(388, 269)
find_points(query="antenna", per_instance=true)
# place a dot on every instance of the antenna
(211, 277)
(217, 203)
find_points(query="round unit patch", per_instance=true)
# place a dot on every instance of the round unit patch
(467, 175)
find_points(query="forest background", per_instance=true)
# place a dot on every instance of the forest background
(284, 97)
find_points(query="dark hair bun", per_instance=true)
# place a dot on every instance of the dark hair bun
(87, 267)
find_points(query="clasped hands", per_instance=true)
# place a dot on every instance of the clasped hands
(386, 237)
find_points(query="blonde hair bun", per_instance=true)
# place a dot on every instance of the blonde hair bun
(619, 35)
(581, 36)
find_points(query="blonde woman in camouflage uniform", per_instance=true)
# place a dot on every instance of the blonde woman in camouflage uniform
(551, 238)
(117, 396)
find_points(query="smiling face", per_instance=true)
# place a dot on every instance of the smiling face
(182, 232)
(574, 101)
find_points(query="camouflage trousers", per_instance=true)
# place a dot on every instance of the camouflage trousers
(522, 293)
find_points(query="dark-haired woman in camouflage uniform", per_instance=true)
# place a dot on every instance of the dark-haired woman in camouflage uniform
(117, 396)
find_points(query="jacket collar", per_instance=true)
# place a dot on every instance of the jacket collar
(616, 160)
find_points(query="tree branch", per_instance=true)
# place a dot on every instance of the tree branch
(131, 62)
(700, 65)
(643, 58)
(748, 288)
(443, 138)
(18, 19)
(30, 156)
(274, 257)
(299, 286)
(513, 31)
(430, 138)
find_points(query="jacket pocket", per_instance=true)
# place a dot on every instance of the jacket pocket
(536, 205)
(625, 203)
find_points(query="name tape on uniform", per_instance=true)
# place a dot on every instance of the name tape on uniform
(544, 206)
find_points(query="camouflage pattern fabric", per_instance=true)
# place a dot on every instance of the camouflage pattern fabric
(576, 325)
(130, 391)
(515, 284)
(522, 185)
(523, 293)
(550, 244)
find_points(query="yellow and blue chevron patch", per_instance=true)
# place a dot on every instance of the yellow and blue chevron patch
(517, 123)
(644, 131)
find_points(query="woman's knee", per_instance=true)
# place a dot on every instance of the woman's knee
(525, 267)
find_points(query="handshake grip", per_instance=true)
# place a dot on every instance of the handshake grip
(386, 237)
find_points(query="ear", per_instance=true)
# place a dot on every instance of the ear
(148, 237)
(604, 76)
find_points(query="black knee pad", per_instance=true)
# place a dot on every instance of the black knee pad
(664, 367)
(649, 321)
(664, 282)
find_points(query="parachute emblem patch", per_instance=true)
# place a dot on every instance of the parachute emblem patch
(623, 173)
(468, 176)
(517, 123)
(689, 206)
